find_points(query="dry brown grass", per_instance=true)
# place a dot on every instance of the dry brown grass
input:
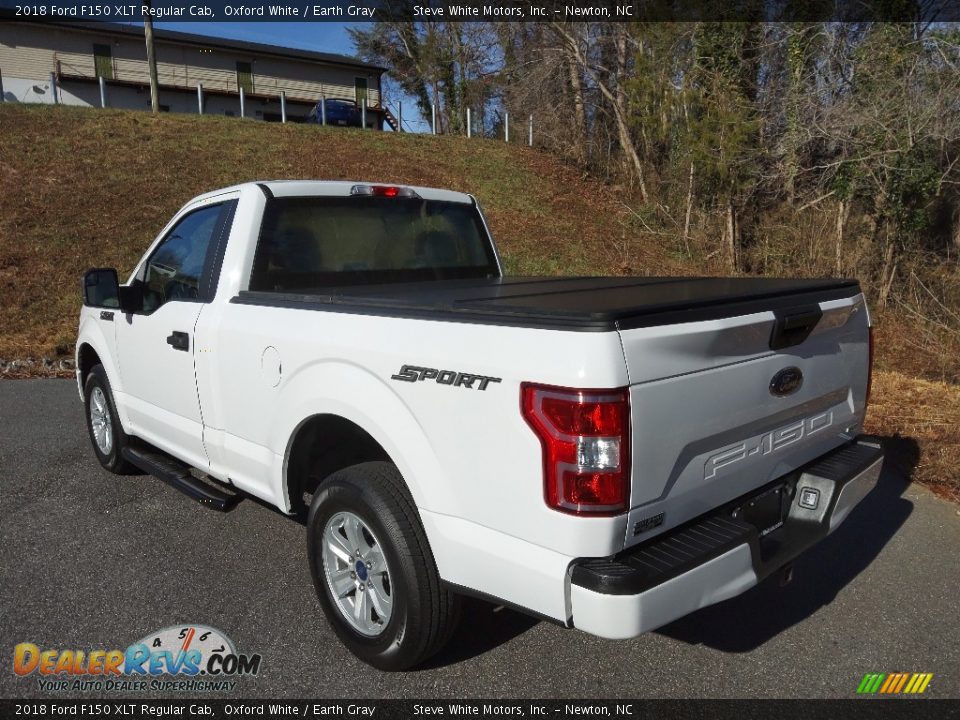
(927, 411)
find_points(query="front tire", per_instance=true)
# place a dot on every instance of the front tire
(103, 424)
(373, 570)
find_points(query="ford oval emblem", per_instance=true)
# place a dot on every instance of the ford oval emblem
(786, 382)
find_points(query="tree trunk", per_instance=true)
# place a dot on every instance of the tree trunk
(888, 274)
(614, 96)
(731, 236)
(626, 144)
(686, 221)
(579, 106)
(843, 209)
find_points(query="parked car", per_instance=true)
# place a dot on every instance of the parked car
(345, 113)
(609, 453)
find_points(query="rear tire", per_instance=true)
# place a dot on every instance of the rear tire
(373, 570)
(103, 424)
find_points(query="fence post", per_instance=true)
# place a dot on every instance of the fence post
(200, 98)
(506, 127)
(1, 87)
(283, 106)
(433, 117)
(363, 114)
(103, 91)
(53, 88)
(399, 116)
(468, 122)
(323, 110)
(530, 140)
(243, 104)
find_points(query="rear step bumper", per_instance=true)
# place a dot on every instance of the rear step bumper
(721, 555)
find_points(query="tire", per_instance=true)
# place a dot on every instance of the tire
(103, 425)
(406, 614)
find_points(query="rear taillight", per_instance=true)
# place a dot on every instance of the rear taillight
(585, 435)
(869, 366)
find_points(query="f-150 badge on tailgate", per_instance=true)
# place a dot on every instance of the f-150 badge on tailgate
(414, 373)
(766, 443)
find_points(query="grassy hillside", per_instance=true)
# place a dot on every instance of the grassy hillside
(93, 187)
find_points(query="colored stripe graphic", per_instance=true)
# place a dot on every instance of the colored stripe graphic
(890, 682)
(902, 681)
(870, 683)
(894, 683)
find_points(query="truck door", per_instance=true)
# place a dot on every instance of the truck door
(155, 346)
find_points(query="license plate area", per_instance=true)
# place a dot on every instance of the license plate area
(766, 511)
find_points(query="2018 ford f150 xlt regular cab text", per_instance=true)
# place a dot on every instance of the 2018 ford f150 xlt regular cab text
(608, 453)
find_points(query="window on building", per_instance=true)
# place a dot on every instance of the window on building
(361, 89)
(245, 77)
(103, 61)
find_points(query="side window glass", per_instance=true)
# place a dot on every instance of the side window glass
(175, 269)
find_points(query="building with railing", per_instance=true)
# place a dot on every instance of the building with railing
(92, 63)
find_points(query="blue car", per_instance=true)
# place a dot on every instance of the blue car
(345, 113)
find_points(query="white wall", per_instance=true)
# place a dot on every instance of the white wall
(88, 95)
(29, 52)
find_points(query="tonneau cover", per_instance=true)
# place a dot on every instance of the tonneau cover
(576, 303)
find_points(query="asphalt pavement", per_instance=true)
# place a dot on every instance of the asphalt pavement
(89, 560)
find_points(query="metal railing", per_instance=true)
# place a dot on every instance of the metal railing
(395, 121)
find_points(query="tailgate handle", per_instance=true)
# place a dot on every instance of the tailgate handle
(794, 326)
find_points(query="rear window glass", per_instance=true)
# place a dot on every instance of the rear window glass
(311, 243)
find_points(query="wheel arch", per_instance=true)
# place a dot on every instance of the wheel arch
(321, 445)
(87, 359)
(93, 347)
(360, 410)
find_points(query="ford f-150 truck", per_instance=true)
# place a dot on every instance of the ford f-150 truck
(607, 453)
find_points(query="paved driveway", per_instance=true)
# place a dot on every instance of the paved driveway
(88, 560)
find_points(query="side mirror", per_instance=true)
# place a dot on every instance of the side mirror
(101, 288)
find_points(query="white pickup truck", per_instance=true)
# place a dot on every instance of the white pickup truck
(607, 453)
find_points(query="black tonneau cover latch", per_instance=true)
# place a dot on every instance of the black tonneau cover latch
(793, 326)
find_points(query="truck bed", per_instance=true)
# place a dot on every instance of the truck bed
(575, 303)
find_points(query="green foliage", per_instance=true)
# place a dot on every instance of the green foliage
(912, 186)
(722, 128)
(844, 182)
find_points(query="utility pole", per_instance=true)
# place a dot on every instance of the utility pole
(151, 57)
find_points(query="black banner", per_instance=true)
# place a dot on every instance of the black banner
(925, 11)
(871, 709)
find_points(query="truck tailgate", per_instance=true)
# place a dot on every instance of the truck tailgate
(720, 407)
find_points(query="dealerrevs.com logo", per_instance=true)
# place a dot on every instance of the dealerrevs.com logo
(190, 658)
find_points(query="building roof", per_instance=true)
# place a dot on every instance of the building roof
(222, 44)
